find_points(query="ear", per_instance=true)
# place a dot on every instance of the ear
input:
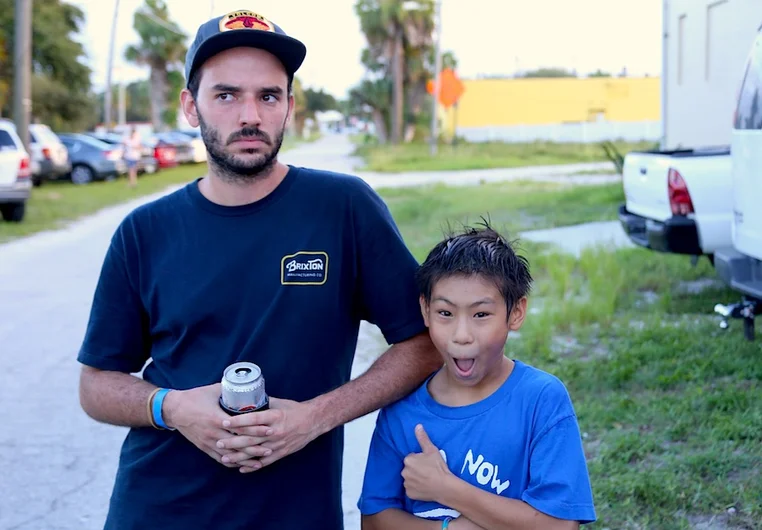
(424, 310)
(189, 107)
(291, 105)
(518, 314)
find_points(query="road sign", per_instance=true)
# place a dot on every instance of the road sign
(451, 88)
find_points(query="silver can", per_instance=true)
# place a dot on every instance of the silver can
(243, 389)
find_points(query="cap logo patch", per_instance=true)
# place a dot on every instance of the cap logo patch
(245, 20)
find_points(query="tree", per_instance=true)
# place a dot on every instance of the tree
(162, 48)
(61, 88)
(549, 72)
(391, 25)
(599, 73)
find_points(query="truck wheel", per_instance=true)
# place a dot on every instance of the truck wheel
(13, 213)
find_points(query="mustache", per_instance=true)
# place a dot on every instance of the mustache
(249, 132)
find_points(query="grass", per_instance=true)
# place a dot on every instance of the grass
(515, 206)
(56, 204)
(417, 157)
(669, 405)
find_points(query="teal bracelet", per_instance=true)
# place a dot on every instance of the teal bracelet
(446, 523)
(158, 401)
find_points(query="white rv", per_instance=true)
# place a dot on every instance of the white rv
(741, 265)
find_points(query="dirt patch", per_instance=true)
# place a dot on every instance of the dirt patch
(698, 286)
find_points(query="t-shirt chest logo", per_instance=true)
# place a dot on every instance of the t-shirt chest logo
(304, 268)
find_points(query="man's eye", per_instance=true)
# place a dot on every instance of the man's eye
(270, 98)
(225, 96)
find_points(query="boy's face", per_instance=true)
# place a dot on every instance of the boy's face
(468, 323)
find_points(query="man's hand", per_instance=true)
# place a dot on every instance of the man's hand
(285, 428)
(426, 474)
(196, 414)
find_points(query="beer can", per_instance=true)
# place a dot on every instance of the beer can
(243, 389)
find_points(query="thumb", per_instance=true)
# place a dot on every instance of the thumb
(423, 440)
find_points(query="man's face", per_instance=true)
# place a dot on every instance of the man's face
(242, 108)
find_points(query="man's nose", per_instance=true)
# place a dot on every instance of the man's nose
(249, 115)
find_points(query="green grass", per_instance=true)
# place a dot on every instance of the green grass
(417, 157)
(669, 405)
(55, 204)
(514, 206)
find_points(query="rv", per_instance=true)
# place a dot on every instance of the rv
(741, 266)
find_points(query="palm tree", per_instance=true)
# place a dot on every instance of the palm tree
(161, 48)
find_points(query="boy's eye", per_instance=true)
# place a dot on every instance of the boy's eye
(481, 314)
(444, 313)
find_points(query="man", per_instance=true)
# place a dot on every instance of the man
(259, 262)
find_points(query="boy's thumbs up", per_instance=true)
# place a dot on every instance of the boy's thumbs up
(423, 440)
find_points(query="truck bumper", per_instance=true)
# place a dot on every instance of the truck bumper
(676, 235)
(741, 272)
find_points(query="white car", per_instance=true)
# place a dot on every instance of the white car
(678, 201)
(199, 149)
(740, 265)
(15, 174)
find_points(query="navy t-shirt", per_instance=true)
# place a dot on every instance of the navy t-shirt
(284, 282)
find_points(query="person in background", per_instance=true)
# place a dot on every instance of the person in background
(132, 153)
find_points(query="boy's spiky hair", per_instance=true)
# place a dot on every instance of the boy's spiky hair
(481, 251)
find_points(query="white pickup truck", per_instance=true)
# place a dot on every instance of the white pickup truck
(678, 201)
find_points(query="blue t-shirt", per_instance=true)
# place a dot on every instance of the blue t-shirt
(521, 442)
(284, 282)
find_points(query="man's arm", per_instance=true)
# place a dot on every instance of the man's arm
(401, 369)
(293, 425)
(116, 398)
(492, 511)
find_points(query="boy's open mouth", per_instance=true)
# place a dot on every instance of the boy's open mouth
(464, 367)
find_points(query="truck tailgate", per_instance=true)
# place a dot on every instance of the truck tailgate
(645, 185)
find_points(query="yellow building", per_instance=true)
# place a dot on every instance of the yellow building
(570, 109)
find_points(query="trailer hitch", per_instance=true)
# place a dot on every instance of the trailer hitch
(746, 309)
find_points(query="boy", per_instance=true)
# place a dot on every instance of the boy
(486, 442)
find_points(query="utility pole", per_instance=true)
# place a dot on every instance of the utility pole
(22, 64)
(109, 68)
(437, 77)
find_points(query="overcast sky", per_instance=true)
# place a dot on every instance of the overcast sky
(488, 36)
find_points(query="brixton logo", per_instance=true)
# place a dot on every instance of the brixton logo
(304, 268)
(245, 20)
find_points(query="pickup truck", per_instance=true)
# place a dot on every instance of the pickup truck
(678, 201)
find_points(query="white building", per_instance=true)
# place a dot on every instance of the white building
(706, 43)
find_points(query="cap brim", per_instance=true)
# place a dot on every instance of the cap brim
(288, 50)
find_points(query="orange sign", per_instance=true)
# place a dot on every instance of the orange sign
(450, 88)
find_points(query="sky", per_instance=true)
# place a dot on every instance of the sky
(488, 37)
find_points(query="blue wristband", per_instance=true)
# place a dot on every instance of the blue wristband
(158, 401)
(446, 523)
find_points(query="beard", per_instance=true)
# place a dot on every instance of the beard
(232, 169)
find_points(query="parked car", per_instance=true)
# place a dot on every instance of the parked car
(146, 164)
(199, 149)
(51, 154)
(93, 159)
(181, 143)
(163, 152)
(740, 265)
(678, 201)
(15, 174)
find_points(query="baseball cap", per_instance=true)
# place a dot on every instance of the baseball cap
(243, 28)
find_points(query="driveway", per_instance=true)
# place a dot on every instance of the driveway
(58, 465)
